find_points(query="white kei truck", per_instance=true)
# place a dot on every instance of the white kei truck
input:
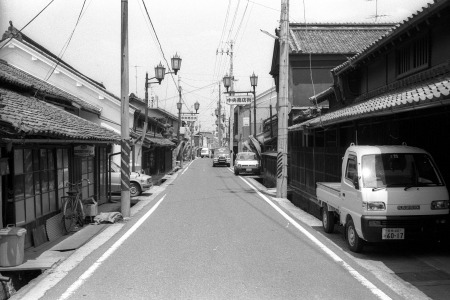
(386, 193)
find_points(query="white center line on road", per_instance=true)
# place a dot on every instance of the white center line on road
(88, 273)
(355, 274)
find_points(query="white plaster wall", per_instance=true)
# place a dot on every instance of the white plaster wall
(33, 62)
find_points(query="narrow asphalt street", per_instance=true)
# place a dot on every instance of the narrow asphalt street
(210, 235)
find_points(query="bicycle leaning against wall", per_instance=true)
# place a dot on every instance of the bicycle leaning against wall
(72, 209)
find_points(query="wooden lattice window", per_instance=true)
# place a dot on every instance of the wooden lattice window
(414, 56)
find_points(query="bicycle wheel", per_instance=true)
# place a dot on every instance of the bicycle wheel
(69, 215)
(79, 213)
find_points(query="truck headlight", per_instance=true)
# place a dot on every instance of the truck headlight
(374, 206)
(439, 204)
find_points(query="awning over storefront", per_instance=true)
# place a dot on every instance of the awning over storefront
(254, 144)
(159, 141)
(427, 94)
(30, 118)
(152, 139)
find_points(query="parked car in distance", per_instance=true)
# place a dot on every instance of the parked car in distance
(139, 182)
(221, 157)
(204, 152)
(247, 163)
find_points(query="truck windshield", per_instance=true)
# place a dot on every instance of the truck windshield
(399, 170)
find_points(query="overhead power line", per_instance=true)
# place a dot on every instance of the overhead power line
(28, 22)
(66, 45)
(159, 43)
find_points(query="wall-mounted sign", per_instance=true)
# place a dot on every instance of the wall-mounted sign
(246, 121)
(188, 117)
(84, 150)
(239, 100)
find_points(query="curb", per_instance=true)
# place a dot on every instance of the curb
(21, 293)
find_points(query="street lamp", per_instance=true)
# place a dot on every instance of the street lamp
(176, 63)
(196, 106)
(254, 83)
(160, 72)
(227, 82)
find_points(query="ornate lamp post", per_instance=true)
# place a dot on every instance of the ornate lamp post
(160, 72)
(227, 81)
(254, 83)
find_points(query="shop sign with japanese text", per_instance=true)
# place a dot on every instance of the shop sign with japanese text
(188, 117)
(84, 150)
(239, 100)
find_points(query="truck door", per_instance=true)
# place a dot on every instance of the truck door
(351, 193)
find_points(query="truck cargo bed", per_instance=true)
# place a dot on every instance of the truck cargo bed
(330, 187)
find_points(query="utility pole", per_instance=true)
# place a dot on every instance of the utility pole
(231, 139)
(283, 102)
(180, 105)
(220, 117)
(231, 119)
(125, 129)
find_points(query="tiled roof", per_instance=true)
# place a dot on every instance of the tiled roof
(334, 38)
(30, 117)
(160, 141)
(400, 28)
(14, 76)
(431, 93)
(152, 138)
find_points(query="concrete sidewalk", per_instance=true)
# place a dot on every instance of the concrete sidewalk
(48, 256)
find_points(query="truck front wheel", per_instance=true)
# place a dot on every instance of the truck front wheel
(327, 219)
(355, 243)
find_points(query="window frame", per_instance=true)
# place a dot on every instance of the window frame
(408, 52)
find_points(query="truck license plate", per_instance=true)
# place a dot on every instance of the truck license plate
(249, 170)
(393, 233)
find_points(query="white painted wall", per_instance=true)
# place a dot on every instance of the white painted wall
(31, 60)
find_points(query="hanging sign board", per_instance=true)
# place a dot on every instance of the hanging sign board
(188, 118)
(84, 150)
(239, 100)
(246, 121)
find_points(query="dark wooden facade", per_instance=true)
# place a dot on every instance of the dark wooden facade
(394, 92)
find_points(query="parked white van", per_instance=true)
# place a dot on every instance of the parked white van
(204, 152)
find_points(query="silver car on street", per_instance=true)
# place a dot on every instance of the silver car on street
(247, 163)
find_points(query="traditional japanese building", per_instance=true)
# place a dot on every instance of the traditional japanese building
(394, 91)
(43, 145)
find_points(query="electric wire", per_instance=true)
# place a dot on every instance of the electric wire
(28, 22)
(246, 23)
(66, 45)
(240, 23)
(215, 70)
(310, 67)
(159, 43)
(234, 19)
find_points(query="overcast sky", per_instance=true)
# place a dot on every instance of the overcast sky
(194, 29)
